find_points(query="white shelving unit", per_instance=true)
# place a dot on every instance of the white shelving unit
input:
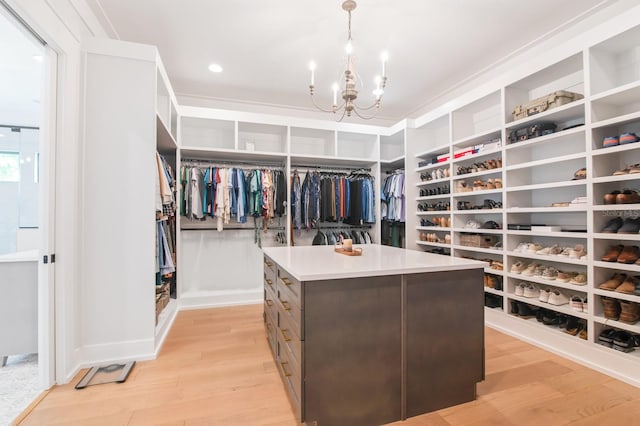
(118, 261)
(535, 175)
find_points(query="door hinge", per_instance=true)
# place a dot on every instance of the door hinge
(53, 258)
(45, 259)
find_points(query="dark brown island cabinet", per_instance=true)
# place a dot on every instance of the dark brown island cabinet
(372, 339)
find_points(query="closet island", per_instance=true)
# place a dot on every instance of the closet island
(376, 338)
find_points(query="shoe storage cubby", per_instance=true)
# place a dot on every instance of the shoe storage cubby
(542, 177)
(262, 137)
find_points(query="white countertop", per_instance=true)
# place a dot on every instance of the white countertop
(311, 263)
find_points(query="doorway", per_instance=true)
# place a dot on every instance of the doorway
(26, 349)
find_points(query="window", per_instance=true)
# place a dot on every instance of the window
(9, 166)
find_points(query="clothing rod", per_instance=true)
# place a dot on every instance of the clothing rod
(314, 168)
(340, 228)
(227, 228)
(226, 164)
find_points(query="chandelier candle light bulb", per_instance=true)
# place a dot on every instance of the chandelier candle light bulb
(349, 92)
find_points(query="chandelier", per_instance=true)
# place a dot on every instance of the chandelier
(349, 92)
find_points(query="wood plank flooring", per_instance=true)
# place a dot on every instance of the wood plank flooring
(216, 369)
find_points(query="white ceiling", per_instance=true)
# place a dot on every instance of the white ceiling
(265, 46)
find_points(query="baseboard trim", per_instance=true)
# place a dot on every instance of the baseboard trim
(218, 299)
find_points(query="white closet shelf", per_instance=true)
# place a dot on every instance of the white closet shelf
(479, 249)
(615, 294)
(488, 270)
(616, 149)
(547, 161)
(633, 328)
(393, 162)
(433, 228)
(553, 137)
(617, 121)
(576, 208)
(615, 207)
(559, 234)
(434, 213)
(618, 178)
(616, 236)
(479, 211)
(550, 185)
(433, 197)
(329, 161)
(433, 166)
(564, 309)
(427, 243)
(166, 142)
(197, 153)
(472, 193)
(551, 283)
(548, 259)
(442, 149)
(565, 112)
(481, 154)
(619, 96)
(478, 231)
(618, 266)
(493, 291)
(476, 174)
(485, 136)
(446, 179)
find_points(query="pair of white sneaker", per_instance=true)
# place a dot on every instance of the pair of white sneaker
(552, 297)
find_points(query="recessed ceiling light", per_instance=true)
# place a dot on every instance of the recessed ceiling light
(37, 58)
(215, 68)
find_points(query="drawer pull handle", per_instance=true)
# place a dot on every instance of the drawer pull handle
(269, 326)
(269, 302)
(284, 335)
(286, 305)
(286, 281)
(269, 282)
(269, 264)
(284, 370)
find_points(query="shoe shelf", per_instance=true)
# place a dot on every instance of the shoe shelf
(554, 138)
(478, 211)
(570, 208)
(477, 138)
(555, 259)
(620, 120)
(620, 96)
(433, 212)
(556, 330)
(432, 166)
(563, 309)
(559, 234)
(472, 158)
(431, 182)
(618, 266)
(436, 150)
(477, 174)
(615, 149)
(493, 291)
(620, 207)
(616, 236)
(477, 230)
(489, 270)
(472, 193)
(478, 249)
(433, 197)
(564, 113)
(616, 295)
(619, 178)
(547, 161)
(633, 328)
(551, 283)
(433, 228)
(550, 185)
(428, 243)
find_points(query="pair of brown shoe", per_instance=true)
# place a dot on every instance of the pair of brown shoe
(622, 254)
(621, 310)
(627, 196)
(621, 283)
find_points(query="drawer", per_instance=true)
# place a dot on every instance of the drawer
(271, 329)
(290, 341)
(291, 379)
(270, 269)
(290, 312)
(287, 283)
(270, 282)
(270, 305)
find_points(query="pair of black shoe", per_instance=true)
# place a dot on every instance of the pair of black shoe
(627, 226)
(440, 206)
(492, 300)
(619, 340)
(440, 190)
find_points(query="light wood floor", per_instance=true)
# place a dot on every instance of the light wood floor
(216, 369)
